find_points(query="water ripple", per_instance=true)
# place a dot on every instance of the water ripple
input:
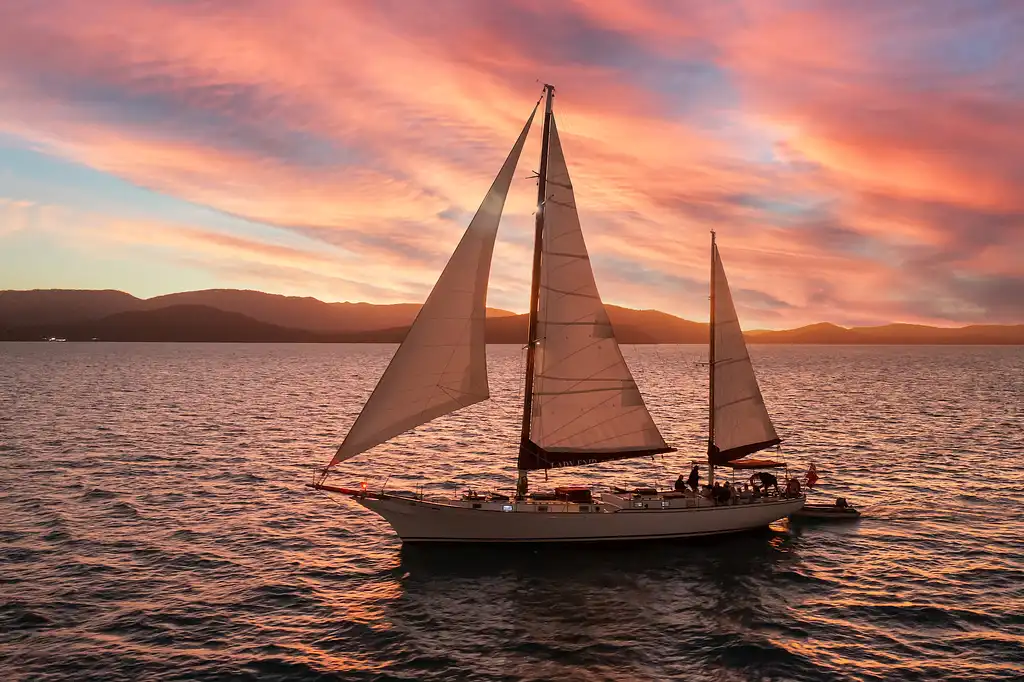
(155, 526)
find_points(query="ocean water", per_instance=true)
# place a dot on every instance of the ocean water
(154, 525)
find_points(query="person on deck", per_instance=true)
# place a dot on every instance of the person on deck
(680, 485)
(694, 480)
(767, 480)
(793, 487)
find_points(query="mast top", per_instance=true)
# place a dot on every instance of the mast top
(548, 95)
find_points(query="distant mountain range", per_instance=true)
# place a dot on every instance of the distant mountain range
(230, 315)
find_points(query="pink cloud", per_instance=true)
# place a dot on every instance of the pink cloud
(837, 156)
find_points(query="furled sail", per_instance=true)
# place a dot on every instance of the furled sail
(586, 406)
(441, 366)
(741, 422)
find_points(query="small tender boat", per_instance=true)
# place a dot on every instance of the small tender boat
(841, 510)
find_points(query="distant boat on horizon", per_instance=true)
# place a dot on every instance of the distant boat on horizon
(581, 404)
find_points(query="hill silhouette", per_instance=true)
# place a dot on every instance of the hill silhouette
(223, 315)
(48, 306)
(59, 306)
(894, 334)
(823, 332)
(174, 323)
(301, 312)
(199, 323)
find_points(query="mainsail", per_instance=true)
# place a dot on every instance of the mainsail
(741, 424)
(441, 366)
(586, 407)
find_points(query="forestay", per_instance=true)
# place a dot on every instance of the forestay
(586, 405)
(742, 424)
(441, 366)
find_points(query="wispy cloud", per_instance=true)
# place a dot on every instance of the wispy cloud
(861, 162)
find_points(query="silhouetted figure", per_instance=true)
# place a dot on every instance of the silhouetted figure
(723, 493)
(793, 487)
(694, 480)
(766, 480)
(680, 485)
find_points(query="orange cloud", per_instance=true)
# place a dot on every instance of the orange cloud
(849, 169)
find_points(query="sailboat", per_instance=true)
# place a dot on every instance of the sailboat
(581, 404)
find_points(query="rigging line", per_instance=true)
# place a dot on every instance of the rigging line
(590, 345)
(562, 203)
(514, 437)
(583, 348)
(329, 497)
(640, 366)
(576, 381)
(572, 260)
(618, 381)
(661, 474)
(512, 410)
(601, 404)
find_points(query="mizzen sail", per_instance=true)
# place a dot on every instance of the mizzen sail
(586, 406)
(441, 365)
(741, 422)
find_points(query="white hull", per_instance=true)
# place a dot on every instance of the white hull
(425, 521)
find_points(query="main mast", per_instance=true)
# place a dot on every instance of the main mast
(522, 483)
(711, 370)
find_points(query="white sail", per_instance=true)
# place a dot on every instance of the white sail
(586, 405)
(742, 424)
(441, 365)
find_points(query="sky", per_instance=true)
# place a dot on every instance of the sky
(861, 163)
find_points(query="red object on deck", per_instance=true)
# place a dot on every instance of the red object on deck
(580, 494)
(754, 464)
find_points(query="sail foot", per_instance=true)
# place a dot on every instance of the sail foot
(533, 456)
(718, 457)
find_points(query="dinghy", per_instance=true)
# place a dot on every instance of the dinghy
(840, 511)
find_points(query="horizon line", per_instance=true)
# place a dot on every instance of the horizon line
(512, 312)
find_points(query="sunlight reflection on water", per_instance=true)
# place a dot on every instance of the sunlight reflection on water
(155, 525)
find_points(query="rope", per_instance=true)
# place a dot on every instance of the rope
(328, 496)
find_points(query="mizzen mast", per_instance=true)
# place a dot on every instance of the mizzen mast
(711, 369)
(522, 484)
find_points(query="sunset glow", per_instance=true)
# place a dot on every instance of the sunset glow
(861, 163)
